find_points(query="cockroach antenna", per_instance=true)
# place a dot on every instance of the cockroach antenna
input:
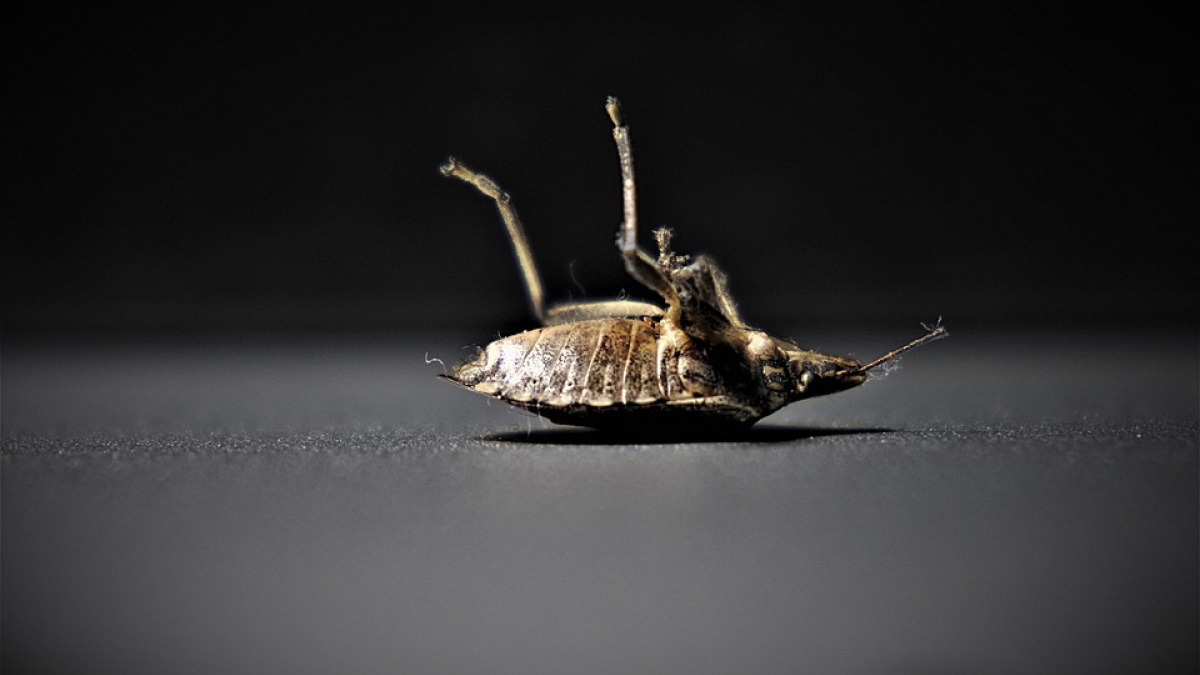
(935, 332)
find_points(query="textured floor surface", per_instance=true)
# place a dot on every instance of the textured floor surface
(999, 504)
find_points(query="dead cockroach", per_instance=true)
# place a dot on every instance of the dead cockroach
(622, 364)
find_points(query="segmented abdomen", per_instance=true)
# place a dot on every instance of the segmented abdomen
(600, 362)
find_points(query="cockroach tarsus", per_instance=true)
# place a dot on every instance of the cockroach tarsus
(622, 364)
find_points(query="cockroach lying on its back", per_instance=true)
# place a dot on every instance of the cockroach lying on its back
(621, 364)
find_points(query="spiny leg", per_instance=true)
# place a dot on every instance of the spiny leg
(599, 309)
(639, 264)
(516, 233)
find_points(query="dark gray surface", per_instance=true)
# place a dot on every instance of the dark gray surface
(1002, 503)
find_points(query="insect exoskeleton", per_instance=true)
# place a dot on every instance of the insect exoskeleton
(623, 364)
(625, 370)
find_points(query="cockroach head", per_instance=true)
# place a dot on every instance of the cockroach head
(818, 374)
(814, 374)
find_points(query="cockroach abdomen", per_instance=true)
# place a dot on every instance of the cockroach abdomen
(599, 363)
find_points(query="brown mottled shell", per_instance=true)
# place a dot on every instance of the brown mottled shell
(605, 372)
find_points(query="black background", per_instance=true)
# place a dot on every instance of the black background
(222, 167)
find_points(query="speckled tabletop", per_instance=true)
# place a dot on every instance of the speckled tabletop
(1009, 503)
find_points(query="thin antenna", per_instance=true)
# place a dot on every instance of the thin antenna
(936, 332)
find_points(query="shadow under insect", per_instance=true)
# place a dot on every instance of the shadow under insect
(756, 435)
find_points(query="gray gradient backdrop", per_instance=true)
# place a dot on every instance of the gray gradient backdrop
(228, 257)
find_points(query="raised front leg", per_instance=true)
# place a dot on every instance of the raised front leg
(639, 264)
(516, 233)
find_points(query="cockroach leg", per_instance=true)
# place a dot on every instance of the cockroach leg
(516, 233)
(640, 265)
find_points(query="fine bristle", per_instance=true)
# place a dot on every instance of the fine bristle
(936, 332)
